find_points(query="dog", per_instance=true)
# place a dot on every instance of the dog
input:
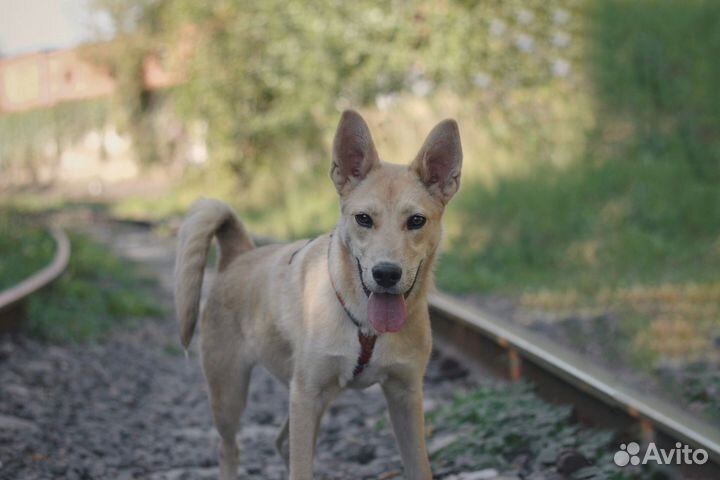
(344, 310)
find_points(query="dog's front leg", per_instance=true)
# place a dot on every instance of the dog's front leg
(405, 403)
(307, 404)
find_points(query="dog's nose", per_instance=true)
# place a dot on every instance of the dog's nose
(386, 274)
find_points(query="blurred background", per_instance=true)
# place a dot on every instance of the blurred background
(590, 204)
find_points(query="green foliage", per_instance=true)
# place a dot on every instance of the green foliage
(25, 247)
(306, 207)
(97, 293)
(652, 64)
(637, 207)
(269, 85)
(172, 348)
(699, 384)
(584, 227)
(25, 136)
(265, 82)
(496, 424)
(135, 28)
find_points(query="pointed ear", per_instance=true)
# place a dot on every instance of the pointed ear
(439, 161)
(354, 153)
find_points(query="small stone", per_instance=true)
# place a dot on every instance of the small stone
(439, 442)
(429, 404)
(264, 417)
(485, 474)
(570, 461)
(17, 391)
(6, 350)
(450, 369)
(14, 423)
(364, 455)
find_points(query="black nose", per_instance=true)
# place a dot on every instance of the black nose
(386, 274)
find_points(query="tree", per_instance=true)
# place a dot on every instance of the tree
(134, 31)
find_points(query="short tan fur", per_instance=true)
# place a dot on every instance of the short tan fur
(278, 305)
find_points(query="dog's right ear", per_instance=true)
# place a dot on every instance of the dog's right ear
(354, 153)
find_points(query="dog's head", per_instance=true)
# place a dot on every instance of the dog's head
(391, 214)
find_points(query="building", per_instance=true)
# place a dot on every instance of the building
(40, 80)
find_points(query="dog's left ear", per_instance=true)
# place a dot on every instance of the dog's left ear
(439, 161)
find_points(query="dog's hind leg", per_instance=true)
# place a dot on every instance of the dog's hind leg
(228, 377)
(281, 443)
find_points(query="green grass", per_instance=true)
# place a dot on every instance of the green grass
(641, 203)
(652, 67)
(631, 226)
(298, 206)
(98, 292)
(585, 227)
(25, 247)
(700, 384)
(639, 240)
(172, 349)
(498, 424)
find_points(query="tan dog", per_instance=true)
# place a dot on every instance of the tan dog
(347, 309)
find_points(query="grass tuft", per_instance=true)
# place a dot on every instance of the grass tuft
(98, 292)
(25, 247)
(506, 426)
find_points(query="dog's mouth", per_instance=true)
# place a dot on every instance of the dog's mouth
(387, 312)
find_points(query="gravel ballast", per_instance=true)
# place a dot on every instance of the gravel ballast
(133, 406)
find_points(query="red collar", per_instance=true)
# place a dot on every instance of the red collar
(367, 342)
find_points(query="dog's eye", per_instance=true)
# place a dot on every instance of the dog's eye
(415, 222)
(364, 220)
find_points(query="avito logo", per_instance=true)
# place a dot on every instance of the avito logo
(680, 455)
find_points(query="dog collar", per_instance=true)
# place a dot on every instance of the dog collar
(367, 342)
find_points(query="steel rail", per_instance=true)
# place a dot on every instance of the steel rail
(12, 299)
(479, 337)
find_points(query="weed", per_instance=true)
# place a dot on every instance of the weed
(499, 425)
(25, 247)
(98, 292)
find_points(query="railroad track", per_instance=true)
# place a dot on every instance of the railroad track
(562, 376)
(503, 350)
(12, 300)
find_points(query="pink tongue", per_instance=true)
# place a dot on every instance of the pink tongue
(386, 312)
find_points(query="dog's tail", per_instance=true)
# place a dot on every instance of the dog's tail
(207, 218)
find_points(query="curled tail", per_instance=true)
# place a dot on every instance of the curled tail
(207, 218)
